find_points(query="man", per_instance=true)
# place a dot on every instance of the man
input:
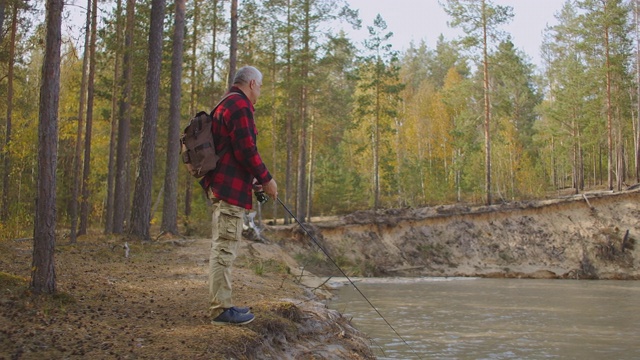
(229, 186)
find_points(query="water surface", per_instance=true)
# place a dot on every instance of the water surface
(463, 318)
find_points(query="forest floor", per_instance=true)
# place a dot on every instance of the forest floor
(153, 305)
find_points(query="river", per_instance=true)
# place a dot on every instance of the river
(471, 318)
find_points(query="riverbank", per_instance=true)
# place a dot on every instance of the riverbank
(152, 305)
(586, 236)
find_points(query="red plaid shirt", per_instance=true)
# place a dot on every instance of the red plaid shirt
(232, 179)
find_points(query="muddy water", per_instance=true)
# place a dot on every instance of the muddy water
(460, 318)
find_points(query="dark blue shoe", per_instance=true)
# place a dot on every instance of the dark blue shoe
(231, 316)
(241, 309)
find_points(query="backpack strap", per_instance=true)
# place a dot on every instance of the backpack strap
(225, 148)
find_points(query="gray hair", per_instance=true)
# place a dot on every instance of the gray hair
(245, 74)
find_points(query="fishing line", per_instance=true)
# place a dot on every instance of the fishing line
(347, 277)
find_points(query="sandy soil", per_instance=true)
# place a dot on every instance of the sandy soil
(587, 236)
(152, 305)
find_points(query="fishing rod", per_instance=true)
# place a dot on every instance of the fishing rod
(346, 276)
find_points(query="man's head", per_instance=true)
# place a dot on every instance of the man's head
(249, 80)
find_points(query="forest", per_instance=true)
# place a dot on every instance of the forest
(343, 126)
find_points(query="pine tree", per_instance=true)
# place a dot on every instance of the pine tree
(377, 98)
(43, 275)
(480, 21)
(141, 210)
(170, 203)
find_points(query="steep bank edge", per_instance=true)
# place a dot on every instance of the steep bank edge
(590, 236)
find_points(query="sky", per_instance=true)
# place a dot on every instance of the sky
(417, 20)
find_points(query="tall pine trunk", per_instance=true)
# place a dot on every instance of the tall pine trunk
(4, 212)
(3, 6)
(609, 109)
(192, 108)
(86, 168)
(637, 134)
(274, 124)
(233, 42)
(288, 196)
(214, 54)
(487, 107)
(108, 229)
(43, 275)
(301, 204)
(77, 157)
(141, 210)
(170, 203)
(376, 148)
(121, 191)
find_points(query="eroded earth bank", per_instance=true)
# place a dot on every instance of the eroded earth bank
(590, 236)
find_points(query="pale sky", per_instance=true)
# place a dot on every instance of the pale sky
(416, 20)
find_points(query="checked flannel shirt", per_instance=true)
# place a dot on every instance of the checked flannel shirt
(232, 179)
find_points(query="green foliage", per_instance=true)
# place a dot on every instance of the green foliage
(383, 128)
(475, 17)
(377, 96)
(589, 54)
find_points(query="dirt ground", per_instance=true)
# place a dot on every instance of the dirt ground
(152, 305)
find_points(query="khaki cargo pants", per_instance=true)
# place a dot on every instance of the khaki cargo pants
(226, 224)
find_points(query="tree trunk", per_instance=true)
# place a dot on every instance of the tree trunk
(288, 196)
(170, 203)
(3, 5)
(192, 109)
(4, 212)
(487, 109)
(274, 124)
(575, 164)
(609, 108)
(114, 122)
(141, 210)
(214, 54)
(620, 165)
(121, 191)
(77, 158)
(376, 150)
(43, 275)
(301, 205)
(233, 42)
(188, 195)
(86, 168)
(310, 177)
(302, 165)
(637, 137)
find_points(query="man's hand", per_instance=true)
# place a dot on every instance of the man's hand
(271, 189)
